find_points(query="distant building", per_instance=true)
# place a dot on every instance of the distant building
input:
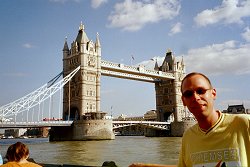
(236, 109)
(123, 117)
(150, 115)
(34, 132)
(15, 132)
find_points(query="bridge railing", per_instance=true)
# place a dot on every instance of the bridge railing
(141, 122)
(35, 124)
(150, 124)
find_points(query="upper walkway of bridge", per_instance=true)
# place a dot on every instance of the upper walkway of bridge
(139, 73)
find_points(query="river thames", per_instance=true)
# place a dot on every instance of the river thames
(124, 150)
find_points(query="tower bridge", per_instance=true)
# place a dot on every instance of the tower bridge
(84, 89)
(82, 70)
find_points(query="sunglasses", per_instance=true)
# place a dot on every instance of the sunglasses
(198, 91)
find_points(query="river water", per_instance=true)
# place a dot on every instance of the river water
(124, 150)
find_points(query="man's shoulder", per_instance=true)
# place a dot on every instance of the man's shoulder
(10, 164)
(238, 119)
(238, 116)
(30, 164)
(191, 130)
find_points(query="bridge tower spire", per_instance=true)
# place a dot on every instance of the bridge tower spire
(82, 94)
(65, 49)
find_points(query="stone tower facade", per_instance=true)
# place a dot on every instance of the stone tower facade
(81, 98)
(168, 92)
(82, 93)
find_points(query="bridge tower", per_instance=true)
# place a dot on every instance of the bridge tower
(168, 92)
(82, 94)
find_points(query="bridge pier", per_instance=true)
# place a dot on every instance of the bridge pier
(84, 130)
(93, 130)
(178, 128)
(148, 132)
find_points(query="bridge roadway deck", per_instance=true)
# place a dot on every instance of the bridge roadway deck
(116, 124)
(34, 124)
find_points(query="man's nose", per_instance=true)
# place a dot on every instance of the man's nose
(196, 96)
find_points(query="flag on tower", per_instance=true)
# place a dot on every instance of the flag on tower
(133, 57)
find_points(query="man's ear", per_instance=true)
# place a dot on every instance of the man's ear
(214, 93)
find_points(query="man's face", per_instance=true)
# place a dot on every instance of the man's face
(198, 95)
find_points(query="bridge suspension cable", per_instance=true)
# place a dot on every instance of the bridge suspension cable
(36, 97)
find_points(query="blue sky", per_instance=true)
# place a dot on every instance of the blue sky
(212, 36)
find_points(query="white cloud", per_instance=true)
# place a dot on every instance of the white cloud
(246, 34)
(175, 29)
(230, 11)
(28, 45)
(97, 3)
(216, 59)
(150, 64)
(133, 15)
